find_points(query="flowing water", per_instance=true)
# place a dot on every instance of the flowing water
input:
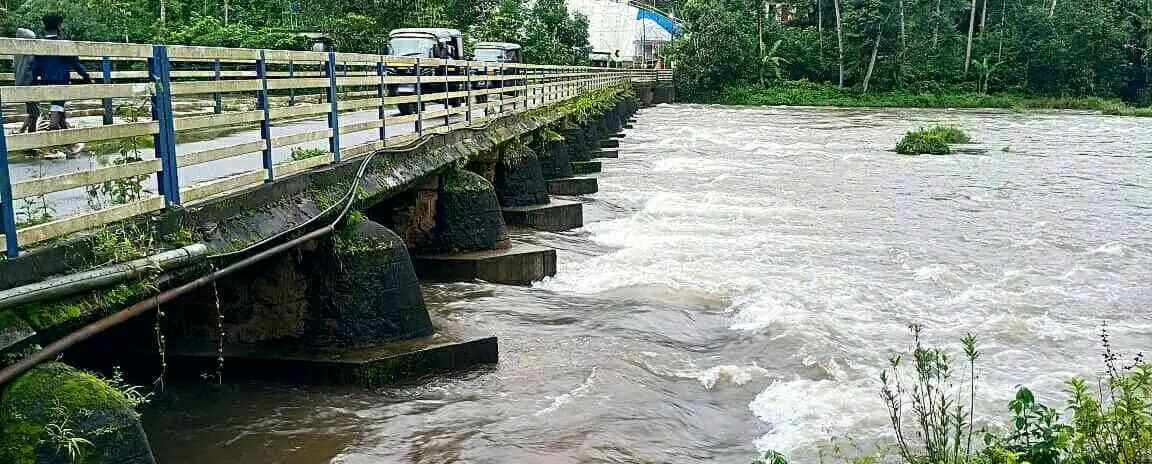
(744, 275)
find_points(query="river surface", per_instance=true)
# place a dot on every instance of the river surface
(743, 277)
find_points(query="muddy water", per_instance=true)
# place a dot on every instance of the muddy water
(743, 277)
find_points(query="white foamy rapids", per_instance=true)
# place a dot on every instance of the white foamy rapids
(803, 413)
(566, 398)
(1110, 249)
(727, 374)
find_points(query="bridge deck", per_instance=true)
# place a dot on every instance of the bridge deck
(340, 104)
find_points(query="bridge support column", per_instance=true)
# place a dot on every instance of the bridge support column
(555, 159)
(519, 179)
(468, 214)
(578, 148)
(470, 240)
(364, 290)
(524, 194)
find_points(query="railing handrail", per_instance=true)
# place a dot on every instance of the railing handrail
(508, 88)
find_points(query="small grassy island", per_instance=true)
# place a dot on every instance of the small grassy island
(931, 141)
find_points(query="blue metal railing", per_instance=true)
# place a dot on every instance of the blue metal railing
(160, 77)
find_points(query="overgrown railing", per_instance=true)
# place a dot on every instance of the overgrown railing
(194, 118)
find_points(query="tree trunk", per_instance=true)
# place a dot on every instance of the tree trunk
(839, 39)
(971, 30)
(760, 38)
(820, 18)
(903, 46)
(936, 29)
(872, 62)
(820, 32)
(983, 18)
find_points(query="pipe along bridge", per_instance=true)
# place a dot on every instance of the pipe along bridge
(223, 214)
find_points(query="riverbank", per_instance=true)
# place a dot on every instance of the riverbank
(804, 93)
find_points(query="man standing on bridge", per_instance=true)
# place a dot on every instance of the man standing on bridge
(57, 70)
(24, 68)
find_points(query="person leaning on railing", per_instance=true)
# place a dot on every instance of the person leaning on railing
(24, 68)
(57, 70)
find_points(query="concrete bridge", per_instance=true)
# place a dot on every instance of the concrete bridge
(282, 223)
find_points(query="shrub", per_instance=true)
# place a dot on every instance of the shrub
(931, 141)
(933, 418)
(950, 134)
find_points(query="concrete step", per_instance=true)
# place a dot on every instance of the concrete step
(627, 126)
(619, 136)
(610, 143)
(521, 264)
(556, 216)
(585, 167)
(573, 186)
(451, 348)
(606, 153)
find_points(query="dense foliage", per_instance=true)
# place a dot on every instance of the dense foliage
(931, 141)
(930, 402)
(549, 32)
(1037, 47)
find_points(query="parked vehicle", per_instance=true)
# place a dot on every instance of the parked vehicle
(321, 42)
(439, 43)
(600, 59)
(496, 52)
(499, 52)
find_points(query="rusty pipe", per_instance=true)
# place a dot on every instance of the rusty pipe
(58, 346)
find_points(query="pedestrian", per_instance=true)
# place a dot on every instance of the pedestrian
(57, 70)
(24, 67)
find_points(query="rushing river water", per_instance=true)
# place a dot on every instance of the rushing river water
(743, 277)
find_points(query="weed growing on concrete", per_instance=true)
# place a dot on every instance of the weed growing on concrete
(121, 242)
(60, 433)
(134, 395)
(305, 153)
(126, 151)
(35, 210)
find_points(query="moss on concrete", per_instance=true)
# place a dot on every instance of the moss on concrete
(69, 313)
(41, 410)
(460, 180)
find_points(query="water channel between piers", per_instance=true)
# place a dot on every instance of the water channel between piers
(743, 276)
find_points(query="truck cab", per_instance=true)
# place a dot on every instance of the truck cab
(439, 43)
(600, 59)
(498, 52)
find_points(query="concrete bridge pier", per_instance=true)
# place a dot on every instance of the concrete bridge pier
(524, 192)
(344, 309)
(555, 159)
(469, 239)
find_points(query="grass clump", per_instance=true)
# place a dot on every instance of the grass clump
(931, 141)
(305, 153)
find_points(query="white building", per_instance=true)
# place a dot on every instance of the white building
(613, 27)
